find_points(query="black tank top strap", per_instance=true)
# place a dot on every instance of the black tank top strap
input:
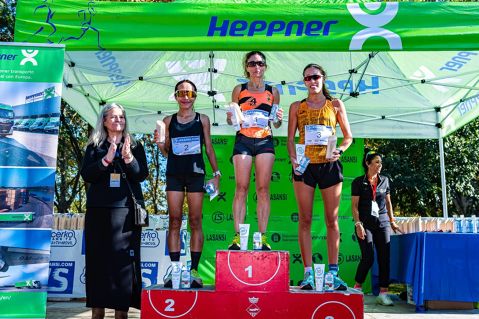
(244, 86)
(268, 88)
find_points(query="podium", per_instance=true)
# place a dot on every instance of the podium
(251, 284)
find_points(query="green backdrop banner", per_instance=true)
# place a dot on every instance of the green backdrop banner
(246, 25)
(282, 228)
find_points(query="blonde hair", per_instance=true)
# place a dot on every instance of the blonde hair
(99, 134)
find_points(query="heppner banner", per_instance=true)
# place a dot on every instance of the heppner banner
(298, 25)
(30, 89)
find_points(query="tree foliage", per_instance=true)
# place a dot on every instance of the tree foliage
(414, 168)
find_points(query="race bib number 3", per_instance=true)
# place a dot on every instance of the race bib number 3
(317, 134)
(255, 118)
(187, 145)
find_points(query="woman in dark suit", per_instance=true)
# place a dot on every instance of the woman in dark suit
(112, 241)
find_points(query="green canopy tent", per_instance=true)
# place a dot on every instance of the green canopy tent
(404, 70)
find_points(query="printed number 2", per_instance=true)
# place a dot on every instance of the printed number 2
(170, 303)
(249, 269)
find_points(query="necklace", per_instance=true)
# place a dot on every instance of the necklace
(254, 85)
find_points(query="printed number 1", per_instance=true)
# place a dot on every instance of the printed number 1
(170, 303)
(249, 269)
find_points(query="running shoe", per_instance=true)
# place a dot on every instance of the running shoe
(339, 284)
(264, 243)
(196, 281)
(308, 281)
(235, 245)
(168, 281)
(384, 300)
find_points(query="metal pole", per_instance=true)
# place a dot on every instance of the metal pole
(443, 177)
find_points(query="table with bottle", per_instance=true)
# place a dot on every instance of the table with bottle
(440, 263)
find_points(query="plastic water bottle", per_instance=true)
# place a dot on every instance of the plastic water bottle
(303, 164)
(329, 281)
(273, 115)
(185, 277)
(257, 241)
(469, 226)
(457, 225)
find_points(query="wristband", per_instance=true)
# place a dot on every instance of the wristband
(106, 161)
(217, 173)
(340, 151)
(358, 223)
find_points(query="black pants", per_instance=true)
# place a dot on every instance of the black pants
(378, 233)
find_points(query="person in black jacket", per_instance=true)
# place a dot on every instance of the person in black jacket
(112, 241)
(373, 221)
(182, 137)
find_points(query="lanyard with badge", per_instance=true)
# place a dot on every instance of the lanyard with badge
(115, 177)
(374, 204)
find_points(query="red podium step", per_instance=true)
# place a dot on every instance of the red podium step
(207, 303)
(252, 271)
(250, 284)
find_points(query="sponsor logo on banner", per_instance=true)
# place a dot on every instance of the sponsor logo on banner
(374, 16)
(349, 159)
(468, 104)
(296, 258)
(240, 28)
(215, 237)
(149, 273)
(61, 278)
(150, 239)
(294, 217)
(83, 276)
(275, 237)
(63, 238)
(275, 176)
(221, 197)
(353, 258)
(273, 197)
(253, 308)
(458, 61)
(340, 258)
(111, 65)
(29, 57)
(219, 140)
(218, 217)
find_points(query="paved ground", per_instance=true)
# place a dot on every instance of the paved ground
(401, 310)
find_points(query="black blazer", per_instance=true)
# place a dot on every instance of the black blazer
(100, 194)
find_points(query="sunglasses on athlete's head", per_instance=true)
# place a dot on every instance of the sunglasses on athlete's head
(312, 77)
(185, 93)
(252, 64)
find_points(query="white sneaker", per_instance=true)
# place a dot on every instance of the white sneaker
(383, 299)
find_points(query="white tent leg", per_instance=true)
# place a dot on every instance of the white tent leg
(443, 177)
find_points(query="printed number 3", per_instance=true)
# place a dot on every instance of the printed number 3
(249, 269)
(170, 303)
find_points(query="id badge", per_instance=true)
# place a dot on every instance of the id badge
(317, 134)
(114, 180)
(374, 209)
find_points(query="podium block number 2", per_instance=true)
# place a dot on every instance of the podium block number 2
(170, 303)
(249, 270)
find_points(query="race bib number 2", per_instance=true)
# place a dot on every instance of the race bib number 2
(187, 145)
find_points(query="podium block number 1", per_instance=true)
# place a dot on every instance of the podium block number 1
(249, 270)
